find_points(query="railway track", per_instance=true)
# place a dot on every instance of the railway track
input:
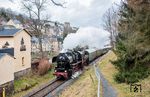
(52, 86)
(46, 89)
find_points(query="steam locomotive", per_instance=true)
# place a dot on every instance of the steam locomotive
(70, 62)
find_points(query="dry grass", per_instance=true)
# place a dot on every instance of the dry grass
(109, 71)
(31, 80)
(85, 86)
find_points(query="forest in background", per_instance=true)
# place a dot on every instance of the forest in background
(129, 26)
(7, 14)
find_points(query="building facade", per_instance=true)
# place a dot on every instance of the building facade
(6, 62)
(20, 42)
(6, 72)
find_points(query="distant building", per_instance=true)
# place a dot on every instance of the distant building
(46, 45)
(55, 46)
(53, 35)
(17, 43)
(17, 24)
(50, 41)
(68, 29)
(3, 21)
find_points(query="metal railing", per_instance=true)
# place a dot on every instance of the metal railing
(98, 78)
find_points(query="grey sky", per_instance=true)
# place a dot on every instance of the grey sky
(77, 12)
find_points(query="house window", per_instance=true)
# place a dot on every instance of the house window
(23, 47)
(22, 61)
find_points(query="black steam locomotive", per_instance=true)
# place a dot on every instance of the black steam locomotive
(70, 62)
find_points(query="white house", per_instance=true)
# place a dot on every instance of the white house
(17, 42)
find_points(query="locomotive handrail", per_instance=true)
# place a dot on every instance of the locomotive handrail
(76, 63)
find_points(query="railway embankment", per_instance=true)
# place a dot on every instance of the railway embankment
(30, 82)
(108, 72)
(84, 86)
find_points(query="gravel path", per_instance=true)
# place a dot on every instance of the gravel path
(108, 90)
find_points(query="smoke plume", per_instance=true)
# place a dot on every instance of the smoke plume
(91, 36)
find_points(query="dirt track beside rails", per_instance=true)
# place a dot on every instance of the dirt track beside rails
(55, 89)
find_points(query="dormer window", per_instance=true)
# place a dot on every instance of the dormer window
(5, 45)
(23, 47)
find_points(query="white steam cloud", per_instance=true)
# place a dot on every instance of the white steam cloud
(91, 36)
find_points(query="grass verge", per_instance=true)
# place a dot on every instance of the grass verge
(84, 86)
(27, 83)
(109, 71)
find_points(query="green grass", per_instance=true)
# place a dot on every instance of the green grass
(30, 81)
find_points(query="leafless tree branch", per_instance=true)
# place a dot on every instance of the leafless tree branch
(58, 4)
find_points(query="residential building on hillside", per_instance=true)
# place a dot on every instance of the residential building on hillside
(17, 42)
(53, 33)
(3, 21)
(17, 24)
(50, 42)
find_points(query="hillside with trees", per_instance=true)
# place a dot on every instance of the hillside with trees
(7, 14)
(132, 40)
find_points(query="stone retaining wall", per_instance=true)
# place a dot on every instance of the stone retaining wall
(21, 73)
(9, 88)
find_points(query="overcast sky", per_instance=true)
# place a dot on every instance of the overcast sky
(77, 12)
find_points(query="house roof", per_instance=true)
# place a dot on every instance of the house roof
(15, 21)
(3, 54)
(9, 51)
(9, 27)
(10, 32)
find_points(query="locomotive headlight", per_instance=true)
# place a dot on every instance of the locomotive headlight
(65, 70)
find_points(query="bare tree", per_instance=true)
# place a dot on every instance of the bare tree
(110, 19)
(35, 8)
(58, 4)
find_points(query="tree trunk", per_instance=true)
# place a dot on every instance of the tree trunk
(40, 47)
